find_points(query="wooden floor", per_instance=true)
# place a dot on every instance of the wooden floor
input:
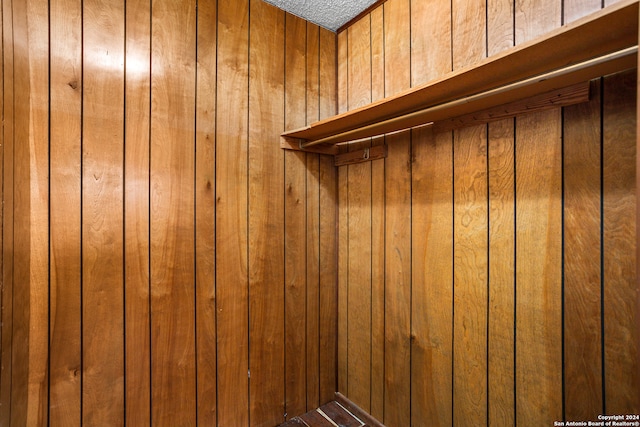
(333, 414)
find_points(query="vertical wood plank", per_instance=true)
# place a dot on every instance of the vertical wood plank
(205, 213)
(470, 276)
(397, 46)
(231, 213)
(65, 220)
(359, 63)
(538, 268)
(432, 278)
(342, 71)
(500, 26)
(469, 35)
(430, 40)
(266, 219)
(582, 255)
(295, 220)
(343, 256)
(535, 17)
(398, 225)
(38, 28)
(432, 239)
(619, 205)
(500, 147)
(575, 9)
(538, 242)
(501, 340)
(172, 214)
(20, 294)
(136, 213)
(328, 290)
(102, 199)
(328, 227)
(359, 285)
(359, 223)
(377, 225)
(470, 232)
(313, 221)
(6, 314)
(30, 298)
(343, 220)
(313, 280)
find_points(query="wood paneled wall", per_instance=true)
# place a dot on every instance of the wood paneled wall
(164, 261)
(487, 275)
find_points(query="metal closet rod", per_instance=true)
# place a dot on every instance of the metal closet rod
(346, 136)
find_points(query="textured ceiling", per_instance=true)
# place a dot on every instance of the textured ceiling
(330, 14)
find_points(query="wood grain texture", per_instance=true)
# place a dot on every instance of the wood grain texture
(468, 29)
(534, 18)
(266, 215)
(38, 211)
(619, 208)
(470, 225)
(6, 311)
(313, 221)
(500, 152)
(328, 283)
(432, 279)
(231, 214)
(136, 213)
(377, 225)
(432, 225)
(377, 57)
(575, 9)
(500, 26)
(295, 222)
(6, 81)
(397, 227)
(359, 77)
(65, 214)
(538, 246)
(166, 201)
(359, 64)
(582, 256)
(430, 22)
(359, 285)
(470, 275)
(501, 340)
(538, 268)
(397, 59)
(172, 214)
(359, 223)
(328, 334)
(205, 215)
(20, 363)
(343, 220)
(102, 200)
(313, 280)
(29, 373)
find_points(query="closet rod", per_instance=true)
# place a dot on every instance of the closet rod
(399, 123)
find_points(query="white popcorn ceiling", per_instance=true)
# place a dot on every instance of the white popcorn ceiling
(330, 14)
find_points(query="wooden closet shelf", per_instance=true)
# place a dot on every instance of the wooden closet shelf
(602, 43)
